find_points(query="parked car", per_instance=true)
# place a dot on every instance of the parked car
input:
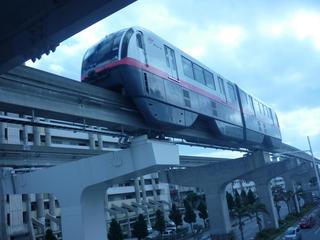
(292, 233)
(170, 225)
(307, 222)
(168, 233)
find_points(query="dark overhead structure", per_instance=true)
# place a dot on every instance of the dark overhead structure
(30, 28)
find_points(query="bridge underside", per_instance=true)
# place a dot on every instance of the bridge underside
(32, 28)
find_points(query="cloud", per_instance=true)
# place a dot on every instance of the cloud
(301, 122)
(301, 24)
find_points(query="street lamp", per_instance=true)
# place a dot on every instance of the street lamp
(314, 163)
(313, 160)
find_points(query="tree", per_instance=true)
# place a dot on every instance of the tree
(49, 235)
(251, 198)
(115, 231)
(240, 214)
(230, 200)
(190, 216)
(243, 196)
(257, 208)
(203, 213)
(277, 198)
(175, 215)
(287, 197)
(193, 199)
(160, 224)
(237, 200)
(140, 229)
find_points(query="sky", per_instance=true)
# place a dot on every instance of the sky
(269, 48)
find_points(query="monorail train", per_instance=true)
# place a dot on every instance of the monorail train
(172, 89)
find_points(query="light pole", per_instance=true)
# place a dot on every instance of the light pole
(314, 164)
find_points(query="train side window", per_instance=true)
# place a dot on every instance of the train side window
(252, 105)
(208, 76)
(232, 93)
(221, 85)
(187, 67)
(139, 41)
(198, 73)
(166, 51)
(244, 98)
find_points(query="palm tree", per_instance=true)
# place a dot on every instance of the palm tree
(257, 208)
(240, 214)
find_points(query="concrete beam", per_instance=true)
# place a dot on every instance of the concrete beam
(80, 186)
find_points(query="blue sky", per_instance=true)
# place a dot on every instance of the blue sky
(269, 48)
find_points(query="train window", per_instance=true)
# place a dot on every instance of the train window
(221, 86)
(125, 43)
(104, 52)
(209, 79)
(139, 41)
(198, 73)
(251, 103)
(187, 67)
(166, 51)
(232, 93)
(244, 98)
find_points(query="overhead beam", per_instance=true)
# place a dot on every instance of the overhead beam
(32, 28)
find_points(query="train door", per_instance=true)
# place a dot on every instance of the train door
(171, 62)
(142, 55)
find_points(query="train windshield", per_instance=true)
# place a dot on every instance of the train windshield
(106, 51)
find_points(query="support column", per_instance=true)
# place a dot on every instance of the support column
(25, 135)
(137, 190)
(40, 207)
(52, 212)
(2, 133)
(83, 215)
(47, 136)
(144, 197)
(143, 189)
(290, 186)
(154, 187)
(92, 144)
(218, 213)
(36, 135)
(29, 215)
(265, 196)
(3, 213)
(100, 142)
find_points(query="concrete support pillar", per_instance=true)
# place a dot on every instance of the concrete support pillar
(92, 143)
(143, 189)
(3, 213)
(85, 218)
(40, 207)
(29, 216)
(137, 190)
(100, 142)
(2, 133)
(154, 187)
(25, 135)
(47, 136)
(36, 135)
(218, 213)
(265, 196)
(144, 197)
(290, 186)
(52, 208)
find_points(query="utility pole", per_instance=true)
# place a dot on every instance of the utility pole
(314, 164)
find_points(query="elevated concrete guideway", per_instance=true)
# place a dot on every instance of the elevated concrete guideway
(80, 186)
(32, 28)
(213, 178)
